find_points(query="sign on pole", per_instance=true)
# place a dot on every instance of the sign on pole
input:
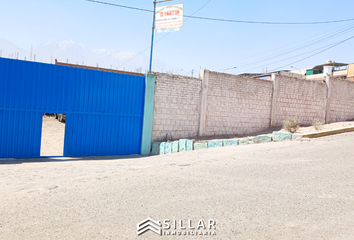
(169, 18)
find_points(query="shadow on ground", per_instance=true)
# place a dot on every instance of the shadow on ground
(67, 159)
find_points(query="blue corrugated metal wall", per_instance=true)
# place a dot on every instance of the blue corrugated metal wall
(104, 110)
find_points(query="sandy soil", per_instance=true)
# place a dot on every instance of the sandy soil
(279, 190)
(52, 143)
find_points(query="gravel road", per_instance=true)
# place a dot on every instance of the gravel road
(284, 190)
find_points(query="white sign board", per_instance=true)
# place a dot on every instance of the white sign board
(169, 18)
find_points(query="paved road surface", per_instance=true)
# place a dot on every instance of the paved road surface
(288, 190)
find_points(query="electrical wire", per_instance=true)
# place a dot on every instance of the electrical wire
(272, 50)
(282, 60)
(300, 47)
(253, 22)
(118, 5)
(228, 20)
(343, 41)
(331, 46)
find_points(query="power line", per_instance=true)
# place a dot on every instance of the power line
(272, 23)
(228, 20)
(302, 46)
(324, 36)
(334, 45)
(118, 5)
(292, 57)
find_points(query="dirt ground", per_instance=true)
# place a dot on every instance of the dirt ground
(52, 143)
(279, 190)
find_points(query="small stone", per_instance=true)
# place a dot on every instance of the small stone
(198, 146)
(51, 187)
(281, 136)
(184, 165)
(212, 144)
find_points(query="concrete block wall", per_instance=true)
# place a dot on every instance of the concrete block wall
(219, 104)
(176, 108)
(303, 99)
(236, 104)
(340, 100)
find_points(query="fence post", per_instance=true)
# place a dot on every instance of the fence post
(204, 75)
(274, 100)
(328, 99)
(148, 113)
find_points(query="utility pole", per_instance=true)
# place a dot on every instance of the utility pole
(153, 31)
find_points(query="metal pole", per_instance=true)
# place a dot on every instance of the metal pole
(152, 37)
(153, 31)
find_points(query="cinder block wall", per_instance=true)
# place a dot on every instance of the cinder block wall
(341, 100)
(176, 107)
(224, 104)
(237, 105)
(303, 99)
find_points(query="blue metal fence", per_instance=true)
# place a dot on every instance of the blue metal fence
(104, 110)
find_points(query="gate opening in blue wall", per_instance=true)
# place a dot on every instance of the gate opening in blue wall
(104, 110)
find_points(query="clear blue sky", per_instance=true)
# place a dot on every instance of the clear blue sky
(200, 43)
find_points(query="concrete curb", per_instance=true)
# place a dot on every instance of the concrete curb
(182, 145)
(189, 145)
(327, 133)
